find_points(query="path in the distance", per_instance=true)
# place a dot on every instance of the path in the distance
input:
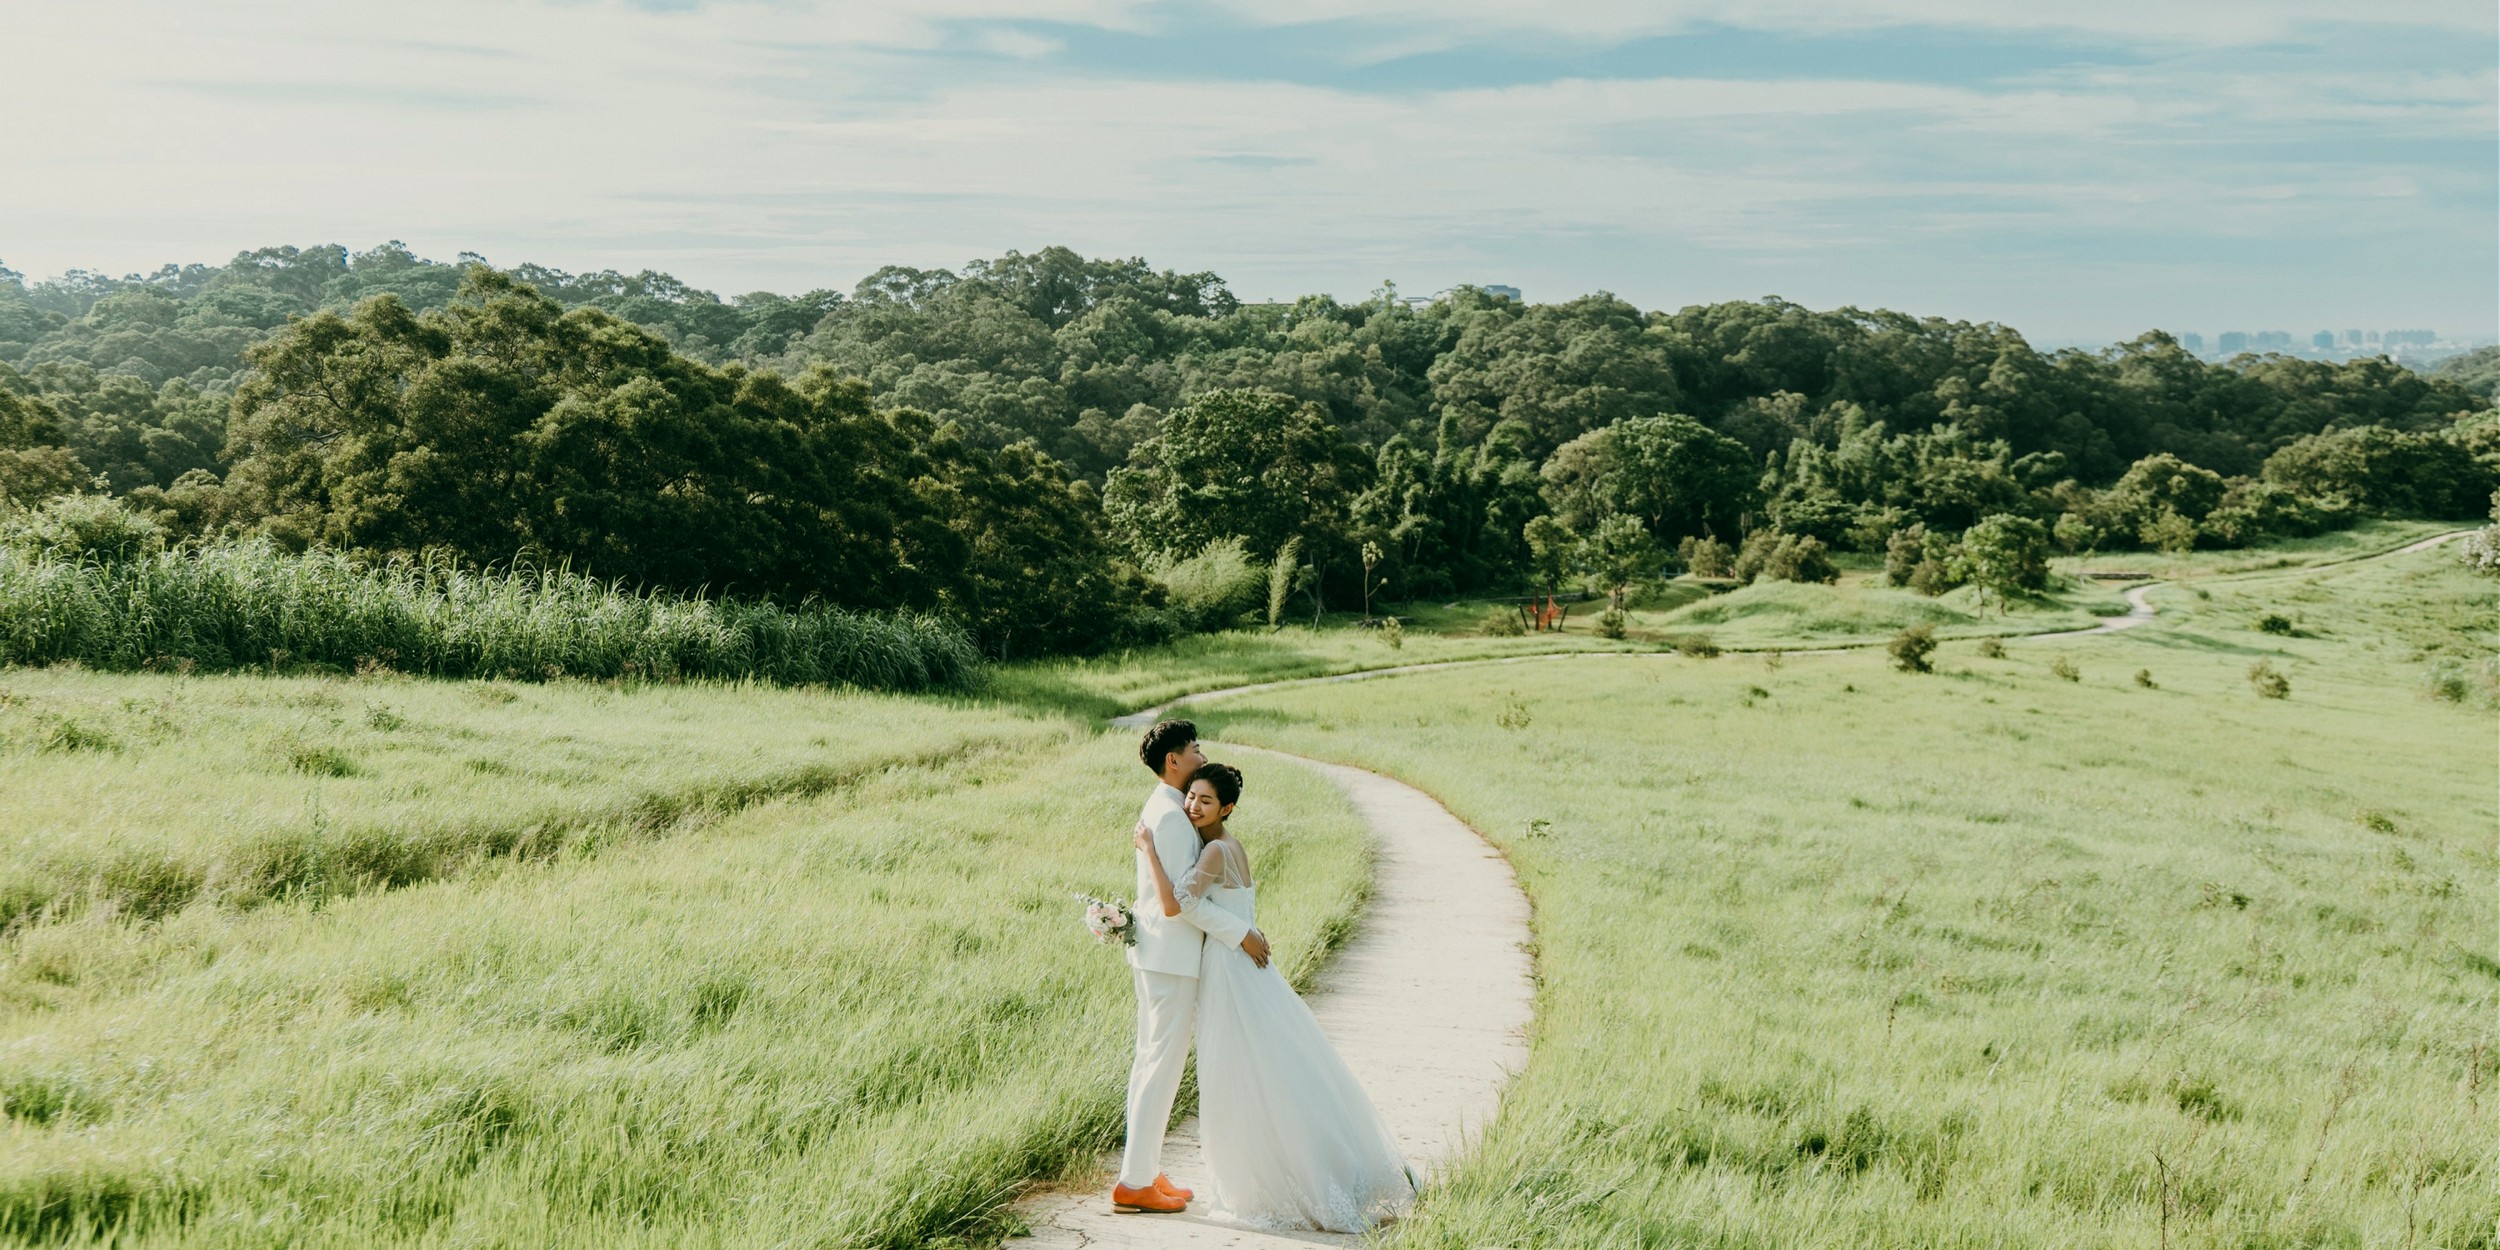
(2139, 610)
(1429, 1004)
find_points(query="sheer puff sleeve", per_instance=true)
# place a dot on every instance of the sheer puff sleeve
(1213, 870)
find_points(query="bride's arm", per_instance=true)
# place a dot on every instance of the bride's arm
(1154, 865)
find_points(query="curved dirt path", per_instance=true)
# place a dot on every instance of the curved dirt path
(2139, 610)
(1429, 1004)
(1430, 1001)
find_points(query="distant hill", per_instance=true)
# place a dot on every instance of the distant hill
(2477, 371)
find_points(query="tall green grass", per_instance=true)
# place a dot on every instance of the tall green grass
(250, 605)
(140, 793)
(1837, 956)
(863, 1019)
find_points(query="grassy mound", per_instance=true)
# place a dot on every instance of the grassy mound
(1797, 613)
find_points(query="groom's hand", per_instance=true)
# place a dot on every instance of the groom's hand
(1254, 944)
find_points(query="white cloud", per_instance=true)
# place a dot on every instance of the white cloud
(777, 145)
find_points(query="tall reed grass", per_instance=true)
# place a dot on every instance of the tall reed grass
(250, 605)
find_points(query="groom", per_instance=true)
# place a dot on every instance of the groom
(1165, 964)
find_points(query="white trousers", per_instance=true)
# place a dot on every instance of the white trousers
(1167, 1012)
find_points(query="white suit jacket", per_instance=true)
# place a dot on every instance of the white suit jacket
(1170, 943)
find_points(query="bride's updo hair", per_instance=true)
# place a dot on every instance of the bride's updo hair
(1224, 777)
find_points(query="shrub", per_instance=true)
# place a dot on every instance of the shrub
(1992, 648)
(2452, 681)
(2170, 531)
(1902, 553)
(2144, 678)
(1213, 589)
(322, 762)
(2268, 681)
(1502, 623)
(1911, 648)
(1697, 646)
(1611, 623)
(2275, 623)
(84, 527)
(2481, 549)
(1393, 632)
(1707, 557)
(1774, 556)
(2064, 668)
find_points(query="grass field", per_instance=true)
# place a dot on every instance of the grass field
(858, 1013)
(1109, 685)
(1770, 615)
(1829, 955)
(143, 792)
(1833, 955)
(2368, 538)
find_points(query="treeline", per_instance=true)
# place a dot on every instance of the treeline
(1030, 445)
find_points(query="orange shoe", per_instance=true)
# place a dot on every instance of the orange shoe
(1165, 1184)
(1147, 1201)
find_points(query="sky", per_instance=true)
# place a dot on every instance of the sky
(2079, 171)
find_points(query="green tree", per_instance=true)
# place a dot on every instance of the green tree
(1250, 463)
(1553, 552)
(1675, 475)
(1560, 370)
(1619, 551)
(2163, 483)
(2006, 555)
(34, 466)
(2375, 469)
(504, 426)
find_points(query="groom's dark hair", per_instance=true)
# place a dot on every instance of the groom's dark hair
(1166, 737)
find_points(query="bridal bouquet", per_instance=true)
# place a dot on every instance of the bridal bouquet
(1109, 920)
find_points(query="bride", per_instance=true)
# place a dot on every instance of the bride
(1291, 1141)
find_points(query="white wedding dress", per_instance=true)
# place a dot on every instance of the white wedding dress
(1291, 1141)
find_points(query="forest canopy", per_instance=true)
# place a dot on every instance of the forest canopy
(1020, 442)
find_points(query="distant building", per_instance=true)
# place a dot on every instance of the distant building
(2323, 340)
(1510, 293)
(2233, 343)
(2416, 338)
(2272, 340)
(2192, 341)
(2352, 338)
